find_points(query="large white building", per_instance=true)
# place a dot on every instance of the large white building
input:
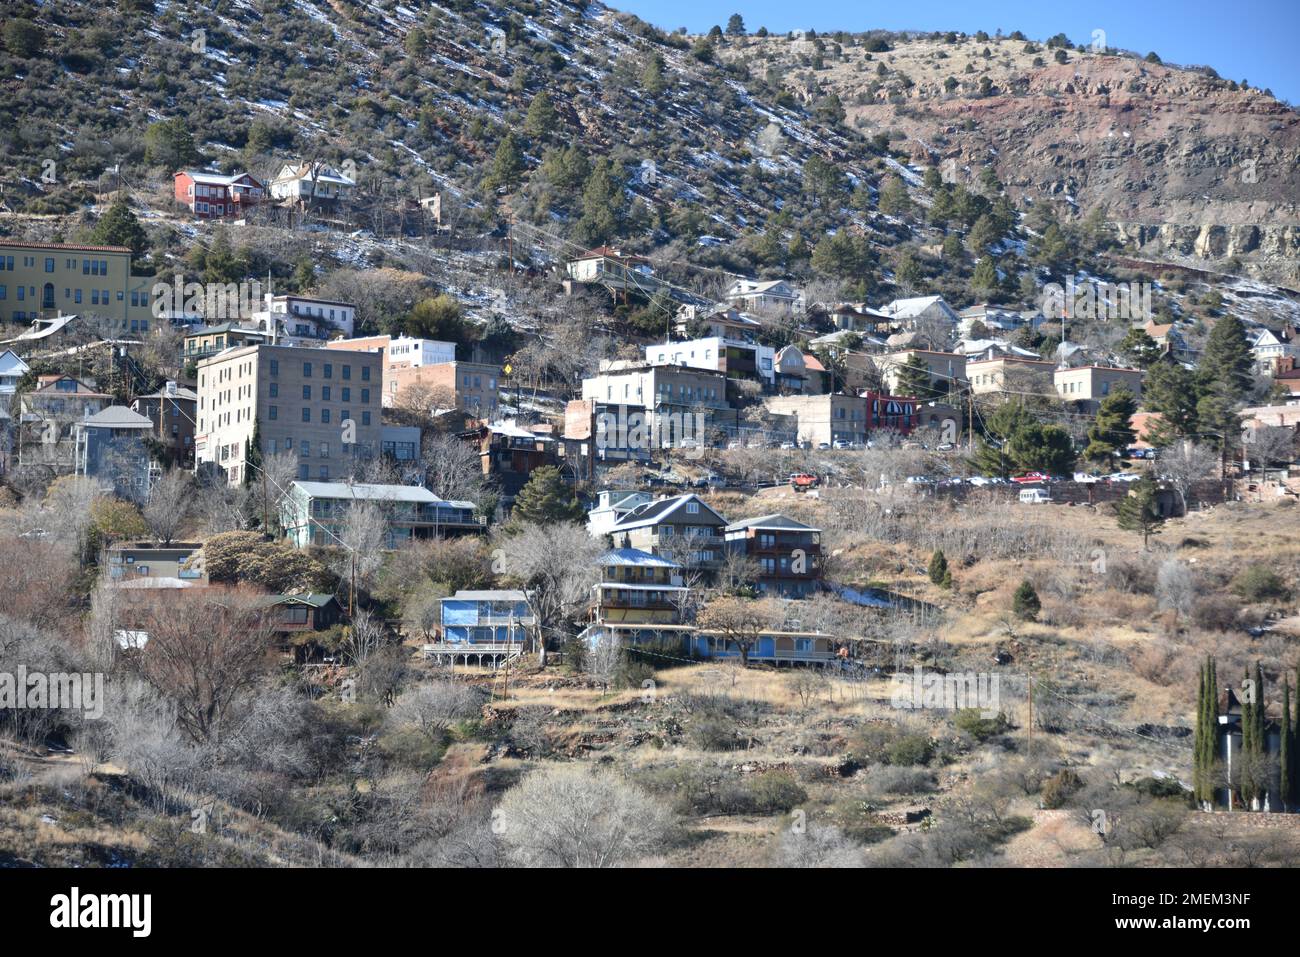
(734, 359)
(306, 316)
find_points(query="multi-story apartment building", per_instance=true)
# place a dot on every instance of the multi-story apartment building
(203, 341)
(946, 368)
(825, 419)
(1088, 385)
(306, 317)
(320, 405)
(474, 387)
(1002, 373)
(788, 553)
(314, 513)
(401, 351)
(111, 450)
(173, 410)
(42, 280)
(668, 396)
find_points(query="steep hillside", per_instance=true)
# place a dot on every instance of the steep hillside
(1187, 165)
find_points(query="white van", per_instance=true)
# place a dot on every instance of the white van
(1034, 496)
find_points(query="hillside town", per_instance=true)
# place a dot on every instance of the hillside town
(391, 527)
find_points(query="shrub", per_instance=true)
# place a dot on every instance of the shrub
(1260, 583)
(911, 749)
(1059, 788)
(1216, 613)
(979, 727)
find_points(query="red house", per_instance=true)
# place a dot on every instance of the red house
(213, 196)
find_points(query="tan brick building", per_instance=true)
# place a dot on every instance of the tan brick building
(1088, 385)
(474, 387)
(320, 405)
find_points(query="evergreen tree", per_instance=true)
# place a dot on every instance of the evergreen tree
(1112, 431)
(1198, 745)
(914, 379)
(1226, 365)
(1170, 389)
(940, 573)
(602, 204)
(1139, 348)
(735, 25)
(1025, 602)
(508, 163)
(546, 499)
(1045, 448)
(119, 227)
(1284, 754)
(894, 200)
(985, 278)
(1139, 511)
(541, 118)
(652, 76)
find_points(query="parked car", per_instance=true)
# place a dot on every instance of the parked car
(802, 481)
(787, 445)
(842, 444)
(1124, 477)
(1030, 478)
(823, 446)
(919, 480)
(980, 480)
(1034, 496)
(1085, 478)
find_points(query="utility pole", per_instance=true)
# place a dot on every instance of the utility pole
(1031, 713)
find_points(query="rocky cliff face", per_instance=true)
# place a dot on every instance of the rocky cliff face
(1182, 163)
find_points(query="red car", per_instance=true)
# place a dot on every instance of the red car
(1030, 478)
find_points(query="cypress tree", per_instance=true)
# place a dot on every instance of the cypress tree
(1247, 735)
(1198, 746)
(1284, 754)
(939, 572)
(1212, 725)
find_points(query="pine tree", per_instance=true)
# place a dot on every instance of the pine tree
(1112, 430)
(914, 379)
(1025, 602)
(507, 164)
(119, 227)
(546, 499)
(1226, 365)
(541, 118)
(1139, 511)
(1170, 389)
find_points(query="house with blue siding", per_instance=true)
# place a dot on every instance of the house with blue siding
(491, 625)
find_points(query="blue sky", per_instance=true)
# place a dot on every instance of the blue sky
(1254, 40)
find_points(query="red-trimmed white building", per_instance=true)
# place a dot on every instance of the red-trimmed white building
(213, 196)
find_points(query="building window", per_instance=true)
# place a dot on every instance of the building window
(306, 393)
(347, 393)
(325, 391)
(49, 265)
(325, 416)
(365, 373)
(273, 412)
(347, 372)
(306, 414)
(365, 418)
(306, 370)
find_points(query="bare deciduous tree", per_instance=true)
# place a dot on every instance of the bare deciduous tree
(556, 564)
(168, 505)
(572, 816)
(1184, 463)
(434, 706)
(206, 651)
(741, 621)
